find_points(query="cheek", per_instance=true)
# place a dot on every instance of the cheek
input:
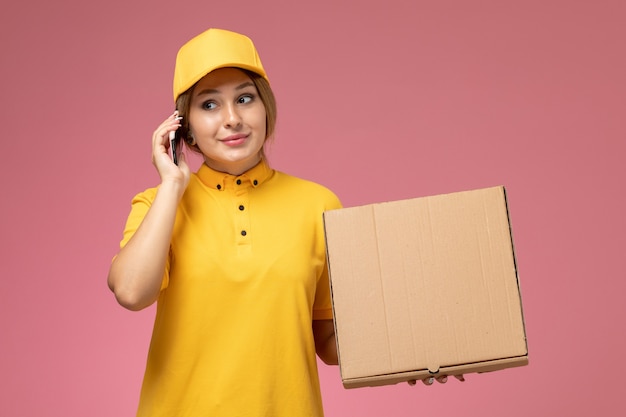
(203, 124)
(260, 122)
(263, 125)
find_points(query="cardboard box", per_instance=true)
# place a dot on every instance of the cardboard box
(426, 286)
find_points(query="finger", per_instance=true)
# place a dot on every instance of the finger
(442, 379)
(412, 382)
(428, 381)
(170, 120)
(160, 136)
(460, 377)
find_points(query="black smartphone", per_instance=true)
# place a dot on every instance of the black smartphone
(174, 144)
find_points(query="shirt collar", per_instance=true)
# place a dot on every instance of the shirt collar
(254, 177)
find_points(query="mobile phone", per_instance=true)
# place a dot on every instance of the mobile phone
(174, 142)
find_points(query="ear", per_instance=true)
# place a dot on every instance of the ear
(189, 139)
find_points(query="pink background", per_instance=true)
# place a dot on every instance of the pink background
(378, 100)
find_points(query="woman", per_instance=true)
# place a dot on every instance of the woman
(233, 254)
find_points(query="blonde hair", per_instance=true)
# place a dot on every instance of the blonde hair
(266, 94)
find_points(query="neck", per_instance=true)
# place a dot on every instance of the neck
(233, 168)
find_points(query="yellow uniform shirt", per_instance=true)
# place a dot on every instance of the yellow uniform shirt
(245, 278)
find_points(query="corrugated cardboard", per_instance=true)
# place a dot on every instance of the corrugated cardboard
(425, 286)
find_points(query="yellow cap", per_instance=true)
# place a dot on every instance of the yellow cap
(210, 50)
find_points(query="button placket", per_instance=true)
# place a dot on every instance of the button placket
(242, 214)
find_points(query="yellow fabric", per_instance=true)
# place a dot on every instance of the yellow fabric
(210, 50)
(232, 335)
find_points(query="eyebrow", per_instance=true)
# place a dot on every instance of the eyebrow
(216, 91)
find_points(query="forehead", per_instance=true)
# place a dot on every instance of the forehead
(223, 78)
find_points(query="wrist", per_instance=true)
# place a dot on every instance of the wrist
(173, 186)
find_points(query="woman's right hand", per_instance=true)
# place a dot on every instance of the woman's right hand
(168, 171)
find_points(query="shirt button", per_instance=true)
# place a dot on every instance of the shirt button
(255, 182)
(238, 182)
(241, 207)
(243, 233)
(219, 187)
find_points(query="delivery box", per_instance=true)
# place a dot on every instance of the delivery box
(425, 286)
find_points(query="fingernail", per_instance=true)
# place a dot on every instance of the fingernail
(430, 380)
(444, 379)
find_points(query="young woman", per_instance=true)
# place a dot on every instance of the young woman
(232, 254)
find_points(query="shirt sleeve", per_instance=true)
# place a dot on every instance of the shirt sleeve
(140, 205)
(322, 307)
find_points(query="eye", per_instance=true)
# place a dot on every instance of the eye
(245, 99)
(209, 105)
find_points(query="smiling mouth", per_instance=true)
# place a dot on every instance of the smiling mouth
(234, 140)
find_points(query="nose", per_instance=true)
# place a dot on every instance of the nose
(232, 118)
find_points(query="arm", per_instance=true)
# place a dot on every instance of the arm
(136, 272)
(325, 345)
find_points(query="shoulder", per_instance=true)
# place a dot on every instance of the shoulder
(305, 190)
(146, 196)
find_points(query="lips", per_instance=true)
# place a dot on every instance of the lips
(234, 140)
